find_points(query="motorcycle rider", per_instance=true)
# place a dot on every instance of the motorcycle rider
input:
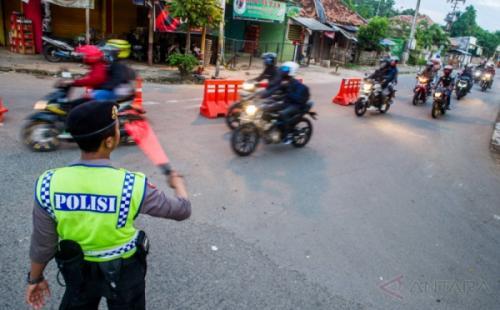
(386, 75)
(428, 73)
(295, 96)
(467, 74)
(490, 68)
(447, 81)
(270, 72)
(98, 74)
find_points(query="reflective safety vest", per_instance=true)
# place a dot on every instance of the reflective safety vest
(94, 206)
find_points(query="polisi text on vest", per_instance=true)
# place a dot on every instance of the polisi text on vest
(85, 202)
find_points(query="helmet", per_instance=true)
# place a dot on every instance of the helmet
(269, 59)
(447, 70)
(91, 54)
(394, 60)
(289, 68)
(123, 47)
(111, 53)
(429, 64)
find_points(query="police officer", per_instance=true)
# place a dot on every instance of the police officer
(90, 206)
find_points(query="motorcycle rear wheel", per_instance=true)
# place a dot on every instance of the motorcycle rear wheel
(244, 139)
(302, 133)
(40, 136)
(384, 107)
(360, 107)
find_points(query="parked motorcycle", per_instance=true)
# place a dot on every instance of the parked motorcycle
(56, 50)
(439, 103)
(257, 123)
(421, 90)
(462, 87)
(486, 81)
(45, 128)
(371, 96)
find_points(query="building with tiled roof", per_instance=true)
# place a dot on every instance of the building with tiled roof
(335, 12)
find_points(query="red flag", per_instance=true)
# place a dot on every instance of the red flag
(164, 20)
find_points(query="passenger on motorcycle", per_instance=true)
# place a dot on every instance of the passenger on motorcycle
(428, 73)
(386, 75)
(447, 81)
(93, 57)
(120, 76)
(295, 97)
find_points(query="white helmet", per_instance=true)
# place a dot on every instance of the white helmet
(289, 68)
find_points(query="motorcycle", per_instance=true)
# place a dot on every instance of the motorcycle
(439, 102)
(421, 91)
(56, 50)
(257, 123)
(486, 81)
(45, 128)
(477, 75)
(372, 96)
(462, 87)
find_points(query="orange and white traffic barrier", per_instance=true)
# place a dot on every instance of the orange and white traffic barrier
(3, 110)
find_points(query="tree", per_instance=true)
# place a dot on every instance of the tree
(370, 8)
(370, 35)
(487, 40)
(465, 25)
(196, 13)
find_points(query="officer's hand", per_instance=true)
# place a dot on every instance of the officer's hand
(176, 182)
(37, 294)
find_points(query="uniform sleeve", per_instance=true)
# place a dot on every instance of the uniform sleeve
(157, 204)
(44, 236)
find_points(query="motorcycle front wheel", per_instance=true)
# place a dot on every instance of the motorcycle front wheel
(360, 107)
(416, 98)
(233, 116)
(40, 136)
(49, 53)
(484, 86)
(244, 139)
(302, 133)
(435, 110)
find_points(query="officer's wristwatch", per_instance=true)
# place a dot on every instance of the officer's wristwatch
(34, 281)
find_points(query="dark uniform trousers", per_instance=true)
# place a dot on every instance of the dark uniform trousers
(128, 294)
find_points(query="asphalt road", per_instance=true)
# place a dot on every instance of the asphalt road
(395, 211)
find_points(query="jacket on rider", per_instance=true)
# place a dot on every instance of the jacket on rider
(93, 57)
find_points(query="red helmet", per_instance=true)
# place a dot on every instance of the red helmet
(91, 54)
(447, 70)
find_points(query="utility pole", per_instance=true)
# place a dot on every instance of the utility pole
(412, 35)
(450, 17)
(152, 17)
(220, 55)
(378, 7)
(87, 23)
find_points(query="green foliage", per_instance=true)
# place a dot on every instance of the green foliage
(428, 36)
(184, 62)
(465, 24)
(370, 35)
(196, 13)
(369, 8)
(487, 40)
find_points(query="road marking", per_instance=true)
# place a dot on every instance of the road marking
(172, 101)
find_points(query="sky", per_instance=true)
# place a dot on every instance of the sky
(488, 11)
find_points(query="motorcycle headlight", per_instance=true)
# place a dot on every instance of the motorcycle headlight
(422, 80)
(487, 76)
(40, 105)
(248, 86)
(367, 87)
(438, 94)
(251, 110)
(477, 73)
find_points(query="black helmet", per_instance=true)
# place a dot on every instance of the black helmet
(269, 59)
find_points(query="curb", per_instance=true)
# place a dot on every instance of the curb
(495, 137)
(160, 80)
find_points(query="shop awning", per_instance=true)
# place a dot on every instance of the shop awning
(312, 24)
(73, 3)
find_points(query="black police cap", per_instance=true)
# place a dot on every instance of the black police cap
(91, 118)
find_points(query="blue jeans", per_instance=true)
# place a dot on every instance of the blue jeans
(103, 95)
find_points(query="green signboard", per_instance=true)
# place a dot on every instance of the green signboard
(397, 49)
(264, 10)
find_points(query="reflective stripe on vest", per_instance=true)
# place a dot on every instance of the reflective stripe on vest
(128, 186)
(45, 194)
(114, 253)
